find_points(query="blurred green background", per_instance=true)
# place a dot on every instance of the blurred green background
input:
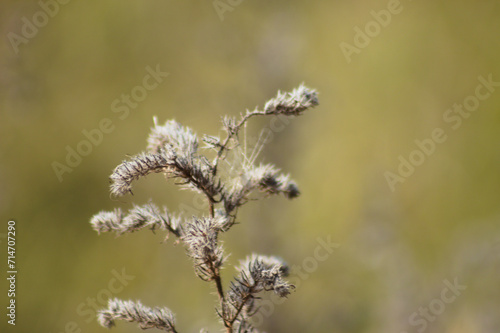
(396, 248)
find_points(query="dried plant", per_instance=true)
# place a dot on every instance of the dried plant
(174, 151)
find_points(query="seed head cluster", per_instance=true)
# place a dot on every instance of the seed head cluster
(174, 151)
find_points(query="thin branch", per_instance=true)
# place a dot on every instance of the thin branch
(232, 132)
(288, 104)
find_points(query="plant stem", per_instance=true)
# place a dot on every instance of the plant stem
(216, 276)
(211, 206)
(220, 292)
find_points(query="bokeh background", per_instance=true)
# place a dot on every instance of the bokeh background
(396, 248)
